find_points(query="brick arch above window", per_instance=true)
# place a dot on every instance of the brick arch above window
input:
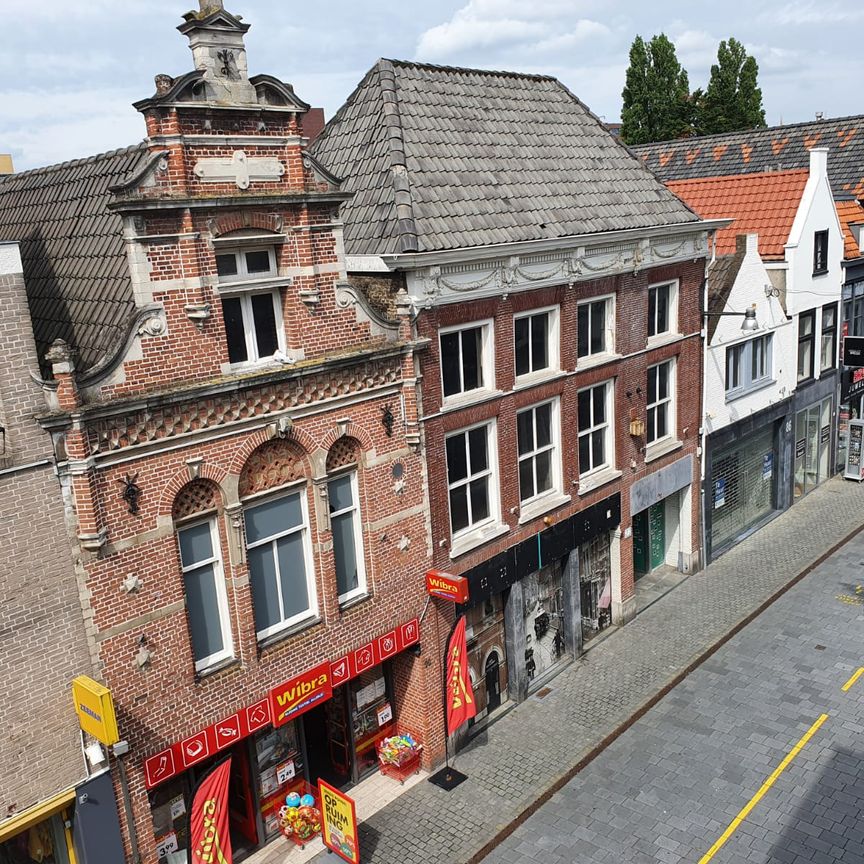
(271, 465)
(199, 496)
(170, 490)
(344, 452)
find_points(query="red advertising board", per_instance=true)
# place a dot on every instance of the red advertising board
(299, 694)
(284, 703)
(446, 586)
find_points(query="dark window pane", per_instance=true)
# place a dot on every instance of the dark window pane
(582, 335)
(226, 265)
(479, 499)
(471, 359)
(539, 338)
(344, 552)
(652, 311)
(584, 409)
(450, 364)
(584, 453)
(264, 317)
(258, 262)
(232, 314)
(526, 479)
(273, 517)
(478, 457)
(458, 508)
(662, 421)
(262, 575)
(457, 465)
(544, 471)
(523, 360)
(525, 431)
(599, 396)
(651, 431)
(202, 604)
(544, 425)
(340, 493)
(663, 381)
(662, 308)
(652, 384)
(597, 446)
(292, 572)
(196, 544)
(598, 327)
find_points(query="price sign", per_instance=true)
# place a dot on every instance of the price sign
(165, 844)
(385, 714)
(285, 772)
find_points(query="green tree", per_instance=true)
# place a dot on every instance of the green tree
(733, 100)
(657, 104)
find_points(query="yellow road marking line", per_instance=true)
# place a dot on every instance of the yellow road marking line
(733, 825)
(848, 685)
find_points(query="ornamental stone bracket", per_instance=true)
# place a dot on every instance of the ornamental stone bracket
(239, 169)
(347, 296)
(154, 324)
(451, 282)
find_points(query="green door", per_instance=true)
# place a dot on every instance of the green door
(657, 534)
(640, 543)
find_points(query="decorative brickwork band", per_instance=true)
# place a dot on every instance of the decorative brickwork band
(273, 464)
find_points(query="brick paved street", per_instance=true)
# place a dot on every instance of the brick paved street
(539, 743)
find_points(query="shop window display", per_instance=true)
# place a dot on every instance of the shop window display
(371, 717)
(168, 804)
(544, 621)
(43, 843)
(595, 585)
(279, 772)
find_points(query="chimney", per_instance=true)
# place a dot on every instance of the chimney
(208, 6)
(6, 166)
(818, 161)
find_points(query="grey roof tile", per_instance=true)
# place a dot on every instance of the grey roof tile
(490, 157)
(78, 285)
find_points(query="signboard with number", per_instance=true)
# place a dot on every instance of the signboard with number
(338, 823)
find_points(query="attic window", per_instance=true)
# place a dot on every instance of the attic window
(269, 96)
(199, 92)
(239, 264)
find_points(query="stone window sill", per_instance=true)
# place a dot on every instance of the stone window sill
(534, 379)
(357, 600)
(222, 666)
(592, 360)
(590, 482)
(287, 633)
(477, 537)
(662, 448)
(543, 505)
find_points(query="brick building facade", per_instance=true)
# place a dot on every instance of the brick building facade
(558, 287)
(241, 447)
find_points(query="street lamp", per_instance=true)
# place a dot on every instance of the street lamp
(748, 325)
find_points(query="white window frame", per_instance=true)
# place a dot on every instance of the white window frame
(672, 327)
(487, 367)
(552, 343)
(744, 366)
(243, 274)
(357, 524)
(608, 331)
(669, 402)
(245, 299)
(554, 446)
(227, 651)
(492, 484)
(309, 560)
(608, 425)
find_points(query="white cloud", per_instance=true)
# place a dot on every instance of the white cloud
(806, 12)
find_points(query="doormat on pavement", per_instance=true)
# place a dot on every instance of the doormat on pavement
(448, 778)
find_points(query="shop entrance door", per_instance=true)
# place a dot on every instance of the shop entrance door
(325, 760)
(657, 534)
(241, 805)
(640, 544)
(493, 682)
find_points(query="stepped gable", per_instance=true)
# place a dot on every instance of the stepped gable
(443, 158)
(774, 148)
(72, 248)
(763, 204)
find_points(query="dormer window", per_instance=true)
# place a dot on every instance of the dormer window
(245, 264)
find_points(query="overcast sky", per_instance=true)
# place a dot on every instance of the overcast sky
(71, 69)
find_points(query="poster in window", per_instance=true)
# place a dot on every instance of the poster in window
(767, 466)
(178, 807)
(719, 492)
(800, 448)
(824, 434)
(854, 462)
(385, 714)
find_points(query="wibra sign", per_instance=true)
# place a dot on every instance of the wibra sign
(291, 699)
(441, 584)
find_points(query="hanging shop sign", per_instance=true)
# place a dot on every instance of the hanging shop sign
(95, 709)
(441, 584)
(297, 696)
(853, 351)
(283, 703)
(338, 822)
(851, 383)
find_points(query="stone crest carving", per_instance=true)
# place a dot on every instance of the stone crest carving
(240, 169)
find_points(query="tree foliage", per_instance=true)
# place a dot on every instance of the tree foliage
(656, 94)
(733, 99)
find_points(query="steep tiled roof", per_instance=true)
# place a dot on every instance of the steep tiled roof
(759, 203)
(441, 158)
(851, 213)
(777, 148)
(78, 284)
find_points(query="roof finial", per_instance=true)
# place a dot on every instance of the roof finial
(210, 5)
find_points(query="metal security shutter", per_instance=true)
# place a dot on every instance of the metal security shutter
(741, 486)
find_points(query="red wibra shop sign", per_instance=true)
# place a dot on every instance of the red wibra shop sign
(285, 702)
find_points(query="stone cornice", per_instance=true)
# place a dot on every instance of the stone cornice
(139, 204)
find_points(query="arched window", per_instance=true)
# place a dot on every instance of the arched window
(346, 524)
(195, 517)
(279, 549)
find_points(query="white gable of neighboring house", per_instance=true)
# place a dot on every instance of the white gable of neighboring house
(749, 289)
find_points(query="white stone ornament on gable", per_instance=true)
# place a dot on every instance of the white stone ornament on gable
(239, 168)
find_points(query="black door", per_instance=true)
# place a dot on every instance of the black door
(493, 682)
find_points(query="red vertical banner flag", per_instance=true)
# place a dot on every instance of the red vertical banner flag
(460, 696)
(209, 840)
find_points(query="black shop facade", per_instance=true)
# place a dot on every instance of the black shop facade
(323, 723)
(531, 608)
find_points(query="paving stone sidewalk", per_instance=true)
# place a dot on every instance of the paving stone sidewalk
(537, 744)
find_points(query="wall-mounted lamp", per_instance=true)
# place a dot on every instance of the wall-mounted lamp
(748, 325)
(771, 291)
